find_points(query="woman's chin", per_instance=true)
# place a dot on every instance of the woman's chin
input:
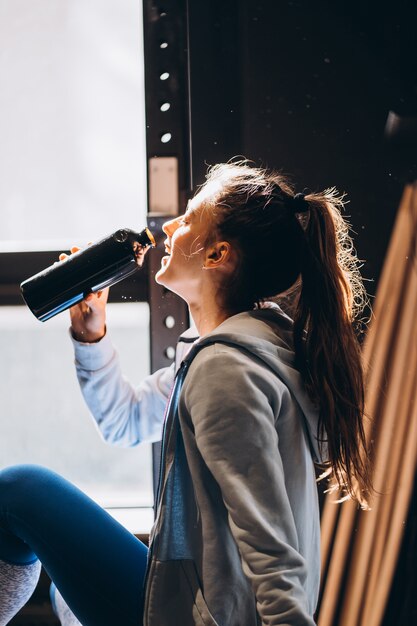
(159, 274)
(162, 277)
(159, 277)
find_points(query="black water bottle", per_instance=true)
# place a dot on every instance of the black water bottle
(100, 265)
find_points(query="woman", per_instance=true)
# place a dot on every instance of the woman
(256, 402)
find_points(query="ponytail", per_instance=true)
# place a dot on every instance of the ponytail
(301, 235)
(326, 346)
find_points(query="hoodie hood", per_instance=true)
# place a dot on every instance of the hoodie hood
(267, 334)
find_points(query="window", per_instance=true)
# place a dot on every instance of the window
(73, 164)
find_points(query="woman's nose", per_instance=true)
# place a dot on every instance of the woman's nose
(169, 227)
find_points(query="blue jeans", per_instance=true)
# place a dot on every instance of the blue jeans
(97, 564)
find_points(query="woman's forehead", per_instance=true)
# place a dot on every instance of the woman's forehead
(209, 191)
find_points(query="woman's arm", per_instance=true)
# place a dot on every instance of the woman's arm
(125, 415)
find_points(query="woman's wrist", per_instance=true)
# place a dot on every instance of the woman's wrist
(85, 336)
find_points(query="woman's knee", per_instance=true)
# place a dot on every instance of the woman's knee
(18, 501)
(19, 481)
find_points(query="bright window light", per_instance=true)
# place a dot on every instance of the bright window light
(73, 169)
(72, 121)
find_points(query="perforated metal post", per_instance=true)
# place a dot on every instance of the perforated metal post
(167, 143)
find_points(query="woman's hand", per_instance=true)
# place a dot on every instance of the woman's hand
(88, 318)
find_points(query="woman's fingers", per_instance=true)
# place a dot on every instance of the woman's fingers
(98, 299)
(63, 256)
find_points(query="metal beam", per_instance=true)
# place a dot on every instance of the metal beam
(167, 145)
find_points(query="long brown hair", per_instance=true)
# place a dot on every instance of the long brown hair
(281, 248)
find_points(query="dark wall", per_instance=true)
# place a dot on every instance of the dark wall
(306, 87)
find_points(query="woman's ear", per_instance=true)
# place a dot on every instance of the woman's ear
(217, 255)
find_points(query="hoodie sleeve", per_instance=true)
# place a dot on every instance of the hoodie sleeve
(233, 401)
(125, 416)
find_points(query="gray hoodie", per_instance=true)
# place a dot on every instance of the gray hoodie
(236, 539)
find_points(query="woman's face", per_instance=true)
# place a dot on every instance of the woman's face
(182, 267)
